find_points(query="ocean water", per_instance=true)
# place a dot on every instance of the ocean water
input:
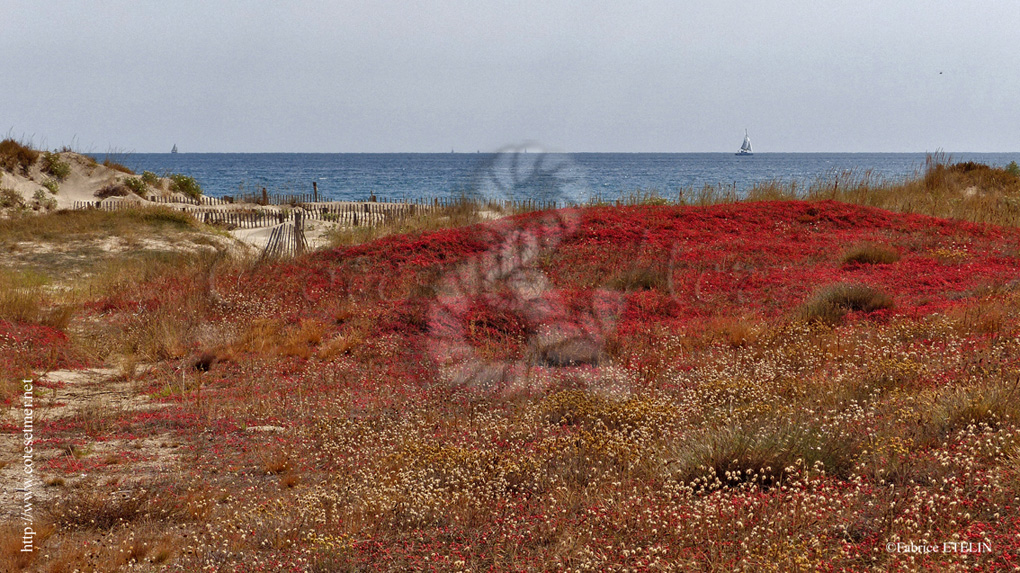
(577, 176)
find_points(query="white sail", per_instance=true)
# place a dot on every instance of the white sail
(745, 147)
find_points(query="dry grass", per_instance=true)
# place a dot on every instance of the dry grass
(965, 191)
(68, 226)
(117, 166)
(642, 277)
(21, 296)
(459, 214)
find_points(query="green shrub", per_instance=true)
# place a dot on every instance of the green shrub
(186, 185)
(53, 165)
(16, 157)
(830, 304)
(137, 186)
(150, 178)
(51, 185)
(1013, 169)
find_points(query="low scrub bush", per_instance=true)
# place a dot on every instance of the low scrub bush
(186, 185)
(42, 200)
(137, 186)
(52, 186)
(830, 304)
(113, 190)
(150, 178)
(53, 165)
(11, 199)
(960, 176)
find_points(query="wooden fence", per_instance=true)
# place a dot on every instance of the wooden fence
(183, 199)
(350, 214)
(287, 239)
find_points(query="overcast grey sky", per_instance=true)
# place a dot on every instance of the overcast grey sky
(380, 76)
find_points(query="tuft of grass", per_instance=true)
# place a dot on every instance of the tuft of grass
(870, 254)
(21, 296)
(736, 332)
(641, 277)
(762, 453)
(276, 462)
(830, 304)
(15, 156)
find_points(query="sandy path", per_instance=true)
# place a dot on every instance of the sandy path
(85, 396)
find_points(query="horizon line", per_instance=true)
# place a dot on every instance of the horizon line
(536, 152)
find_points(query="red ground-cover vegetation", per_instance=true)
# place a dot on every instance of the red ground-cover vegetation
(28, 348)
(731, 387)
(686, 263)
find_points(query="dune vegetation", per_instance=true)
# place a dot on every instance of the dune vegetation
(799, 380)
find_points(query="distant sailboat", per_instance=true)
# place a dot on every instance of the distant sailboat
(745, 148)
(174, 150)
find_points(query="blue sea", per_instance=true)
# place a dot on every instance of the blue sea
(521, 175)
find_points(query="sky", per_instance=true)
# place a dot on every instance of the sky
(433, 76)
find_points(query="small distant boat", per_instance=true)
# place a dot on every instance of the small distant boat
(745, 148)
(174, 150)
